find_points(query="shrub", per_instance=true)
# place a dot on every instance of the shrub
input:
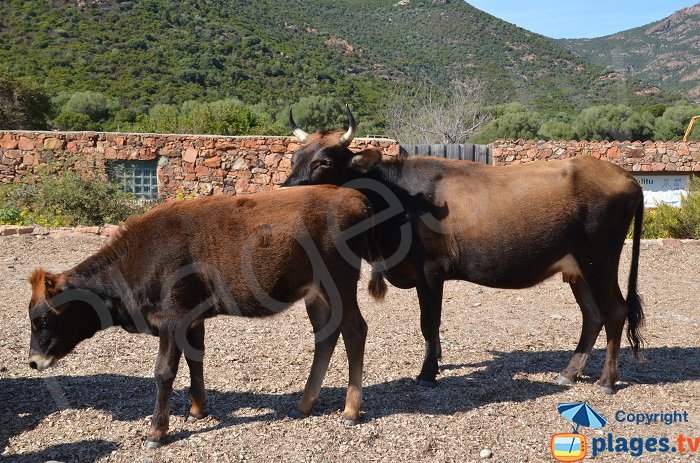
(687, 224)
(223, 117)
(666, 221)
(655, 224)
(65, 200)
(10, 215)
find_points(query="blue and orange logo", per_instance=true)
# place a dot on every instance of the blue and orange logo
(571, 446)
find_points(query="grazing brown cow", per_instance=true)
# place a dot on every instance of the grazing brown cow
(503, 227)
(183, 262)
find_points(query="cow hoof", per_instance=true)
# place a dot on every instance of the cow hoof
(193, 418)
(563, 380)
(426, 383)
(606, 390)
(151, 444)
(295, 414)
(349, 423)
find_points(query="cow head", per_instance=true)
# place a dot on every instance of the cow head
(325, 157)
(57, 325)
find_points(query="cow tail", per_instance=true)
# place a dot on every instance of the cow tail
(377, 286)
(635, 313)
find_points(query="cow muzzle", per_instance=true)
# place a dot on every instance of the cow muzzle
(41, 362)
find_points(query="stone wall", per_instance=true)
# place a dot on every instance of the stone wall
(197, 164)
(634, 156)
(201, 164)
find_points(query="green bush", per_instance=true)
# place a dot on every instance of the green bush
(556, 130)
(666, 221)
(69, 120)
(223, 117)
(674, 121)
(687, 224)
(84, 110)
(655, 224)
(67, 199)
(97, 106)
(11, 216)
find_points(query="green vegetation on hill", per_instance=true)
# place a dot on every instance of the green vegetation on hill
(166, 52)
(450, 40)
(665, 53)
(109, 63)
(601, 122)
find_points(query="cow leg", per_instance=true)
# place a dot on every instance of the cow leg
(198, 395)
(169, 354)
(592, 324)
(614, 316)
(319, 314)
(354, 330)
(430, 299)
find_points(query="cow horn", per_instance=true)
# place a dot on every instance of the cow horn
(350, 134)
(300, 134)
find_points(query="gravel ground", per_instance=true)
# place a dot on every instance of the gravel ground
(501, 352)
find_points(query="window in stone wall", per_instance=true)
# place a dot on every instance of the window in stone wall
(136, 177)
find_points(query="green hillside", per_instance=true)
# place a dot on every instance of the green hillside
(665, 53)
(274, 52)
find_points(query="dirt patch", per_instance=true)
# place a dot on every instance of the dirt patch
(501, 352)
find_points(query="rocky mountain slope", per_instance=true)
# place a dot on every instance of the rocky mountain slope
(665, 53)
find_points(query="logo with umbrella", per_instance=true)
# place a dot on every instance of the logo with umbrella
(571, 446)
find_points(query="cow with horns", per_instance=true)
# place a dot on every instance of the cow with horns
(184, 262)
(502, 227)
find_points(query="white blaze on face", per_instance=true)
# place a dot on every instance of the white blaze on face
(41, 362)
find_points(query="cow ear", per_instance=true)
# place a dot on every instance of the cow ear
(46, 285)
(366, 160)
(53, 283)
(36, 279)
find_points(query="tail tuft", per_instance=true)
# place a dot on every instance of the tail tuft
(635, 314)
(635, 323)
(377, 286)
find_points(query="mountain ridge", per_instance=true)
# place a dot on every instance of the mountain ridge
(274, 52)
(665, 53)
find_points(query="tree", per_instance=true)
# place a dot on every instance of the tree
(162, 118)
(609, 122)
(431, 114)
(512, 120)
(23, 105)
(315, 112)
(223, 117)
(84, 110)
(672, 125)
(517, 125)
(556, 130)
(70, 120)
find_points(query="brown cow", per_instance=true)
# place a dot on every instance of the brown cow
(503, 227)
(186, 261)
